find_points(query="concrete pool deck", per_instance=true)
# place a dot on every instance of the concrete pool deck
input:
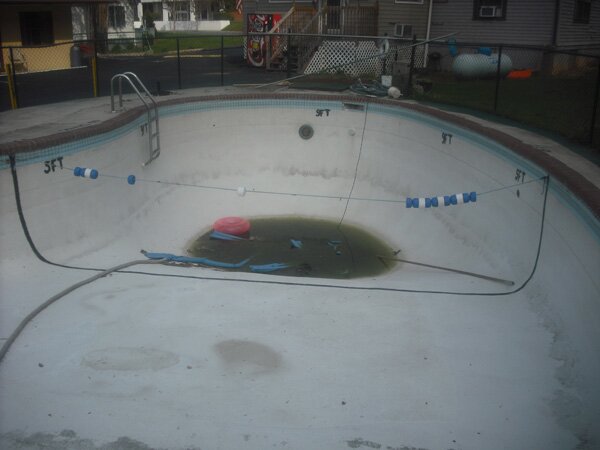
(178, 358)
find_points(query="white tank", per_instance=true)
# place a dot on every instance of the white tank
(476, 65)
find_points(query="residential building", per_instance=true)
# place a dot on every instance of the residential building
(572, 25)
(559, 23)
(121, 19)
(400, 19)
(39, 26)
(188, 15)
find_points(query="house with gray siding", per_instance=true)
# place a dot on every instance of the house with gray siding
(578, 25)
(404, 18)
(552, 24)
(568, 25)
(563, 24)
(399, 19)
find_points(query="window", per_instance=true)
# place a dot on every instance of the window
(489, 9)
(582, 11)
(182, 11)
(36, 28)
(402, 30)
(116, 16)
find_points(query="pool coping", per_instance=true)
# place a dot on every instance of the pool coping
(582, 188)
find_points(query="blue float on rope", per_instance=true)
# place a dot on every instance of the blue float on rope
(442, 200)
(85, 172)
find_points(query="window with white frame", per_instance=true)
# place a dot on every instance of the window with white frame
(489, 9)
(182, 11)
(403, 30)
(116, 16)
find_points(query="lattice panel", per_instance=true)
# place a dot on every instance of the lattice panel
(360, 58)
(349, 57)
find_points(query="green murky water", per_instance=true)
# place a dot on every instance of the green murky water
(325, 250)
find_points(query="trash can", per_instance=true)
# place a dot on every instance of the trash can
(75, 56)
(435, 61)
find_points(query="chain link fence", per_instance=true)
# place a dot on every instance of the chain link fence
(556, 91)
(544, 88)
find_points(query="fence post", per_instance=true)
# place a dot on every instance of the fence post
(13, 78)
(178, 65)
(412, 65)
(596, 101)
(289, 50)
(95, 69)
(497, 79)
(11, 88)
(222, 58)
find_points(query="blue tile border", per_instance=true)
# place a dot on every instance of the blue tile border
(574, 190)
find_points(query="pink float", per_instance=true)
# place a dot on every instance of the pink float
(236, 226)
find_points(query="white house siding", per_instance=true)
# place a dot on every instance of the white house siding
(127, 31)
(81, 26)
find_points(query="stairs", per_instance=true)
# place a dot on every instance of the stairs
(281, 53)
(286, 60)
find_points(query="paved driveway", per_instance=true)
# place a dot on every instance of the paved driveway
(197, 69)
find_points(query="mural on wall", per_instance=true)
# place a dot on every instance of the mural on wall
(257, 45)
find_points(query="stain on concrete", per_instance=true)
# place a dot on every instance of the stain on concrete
(404, 447)
(248, 357)
(360, 442)
(129, 358)
(67, 440)
(568, 406)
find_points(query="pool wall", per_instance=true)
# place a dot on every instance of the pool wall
(540, 344)
(254, 144)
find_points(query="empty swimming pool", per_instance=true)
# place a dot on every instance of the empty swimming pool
(481, 332)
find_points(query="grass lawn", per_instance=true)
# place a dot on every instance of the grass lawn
(560, 104)
(165, 41)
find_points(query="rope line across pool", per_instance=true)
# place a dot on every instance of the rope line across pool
(242, 190)
(286, 283)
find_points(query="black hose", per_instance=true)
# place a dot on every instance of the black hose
(287, 283)
(11, 339)
(15, 178)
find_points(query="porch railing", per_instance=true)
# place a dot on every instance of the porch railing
(293, 21)
(305, 46)
(351, 20)
(334, 20)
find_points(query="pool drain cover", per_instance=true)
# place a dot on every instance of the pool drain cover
(306, 131)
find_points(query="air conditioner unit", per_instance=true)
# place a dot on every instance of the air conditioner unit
(487, 11)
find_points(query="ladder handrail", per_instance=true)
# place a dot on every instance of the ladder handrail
(143, 87)
(154, 153)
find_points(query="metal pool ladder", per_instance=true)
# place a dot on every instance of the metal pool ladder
(151, 109)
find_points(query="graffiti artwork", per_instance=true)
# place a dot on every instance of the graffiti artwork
(257, 45)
